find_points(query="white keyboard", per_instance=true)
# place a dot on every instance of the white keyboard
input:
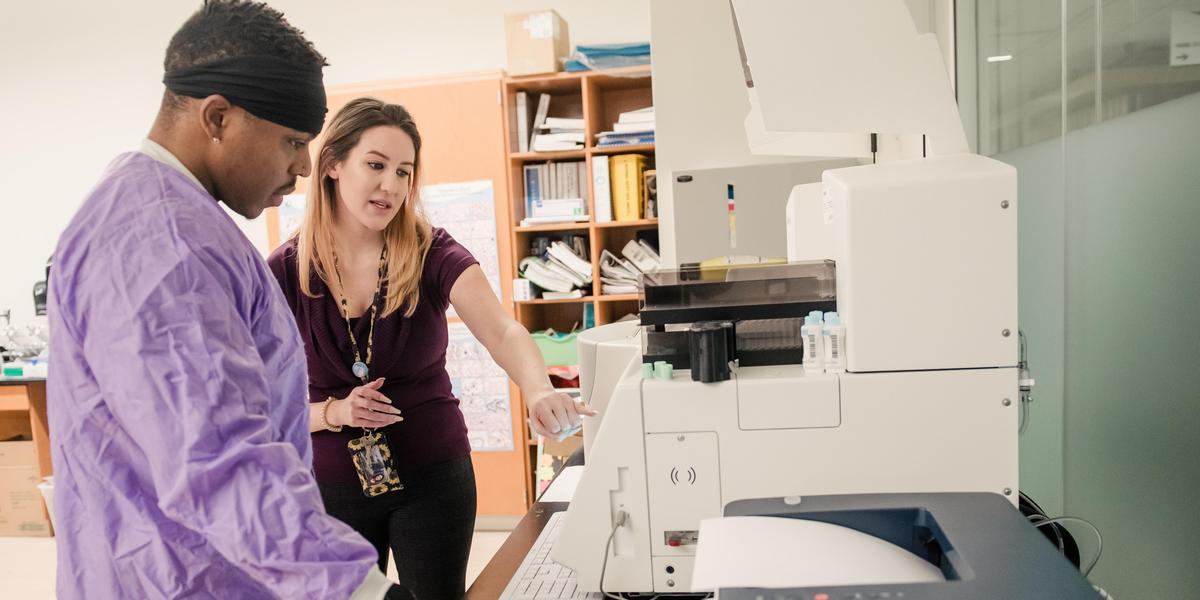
(540, 578)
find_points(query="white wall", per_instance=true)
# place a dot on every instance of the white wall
(80, 83)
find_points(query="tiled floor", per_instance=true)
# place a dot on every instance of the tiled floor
(27, 564)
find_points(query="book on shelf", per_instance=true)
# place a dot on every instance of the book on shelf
(553, 192)
(522, 122)
(574, 137)
(555, 130)
(554, 134)
(574, 124)
(614, 289)
(539, 119)
(558, 207)
(544, 144)
(582, 187)
(600, 188)
(612, 138)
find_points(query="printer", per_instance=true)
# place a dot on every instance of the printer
(707, 406)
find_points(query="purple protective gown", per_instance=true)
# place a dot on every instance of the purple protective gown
(178, 408)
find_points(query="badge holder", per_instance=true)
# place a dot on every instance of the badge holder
(373, 462)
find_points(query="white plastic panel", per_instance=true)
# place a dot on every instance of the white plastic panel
(760, 199)
(684, 481)
(605, 352)
(926, 262)
(926, 431)
(875, 73)
(807, 237)
(785, 397)
(679, 577)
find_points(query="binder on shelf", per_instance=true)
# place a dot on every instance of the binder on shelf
(532, 187)
(642, 255)
(567, 256)
(535, 270)
(627, 186)
(581, 180)
(600, 189)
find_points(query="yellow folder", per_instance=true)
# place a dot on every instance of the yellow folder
(627, 184)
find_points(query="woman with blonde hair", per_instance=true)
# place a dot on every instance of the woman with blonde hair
(369, 281)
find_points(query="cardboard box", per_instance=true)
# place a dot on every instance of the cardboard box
(552, 457)
(22, 512)
(537, 42)
(565, 448)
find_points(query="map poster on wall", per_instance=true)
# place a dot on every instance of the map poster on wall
(467, 212)
(290, 214)
(481, 387)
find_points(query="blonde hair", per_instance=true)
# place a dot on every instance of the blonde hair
(407, 237)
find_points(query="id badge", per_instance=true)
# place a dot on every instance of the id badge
(373, 461)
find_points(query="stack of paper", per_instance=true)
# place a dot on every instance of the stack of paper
(617, 276)
(636, 120)
(633, 127)
(778, 552)
(620, 275)
(551, 134)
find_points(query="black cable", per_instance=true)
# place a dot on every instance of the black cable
(622, 518)
(1057, 534)
(1099, 538)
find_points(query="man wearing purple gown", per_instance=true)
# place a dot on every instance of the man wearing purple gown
(178, 402)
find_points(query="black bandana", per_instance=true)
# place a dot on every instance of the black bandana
(265, 86)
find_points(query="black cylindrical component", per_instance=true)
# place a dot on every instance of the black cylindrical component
(710, 348)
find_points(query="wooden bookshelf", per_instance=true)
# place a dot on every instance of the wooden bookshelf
(598, 97)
